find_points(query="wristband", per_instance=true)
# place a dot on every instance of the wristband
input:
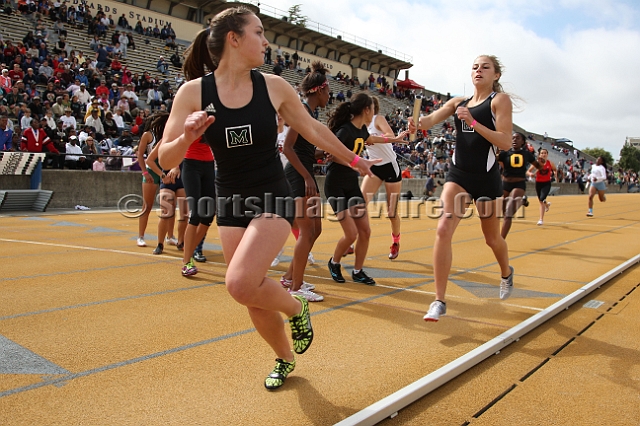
(386, 139)
(354, 161)
(146, 172)
(473, 123)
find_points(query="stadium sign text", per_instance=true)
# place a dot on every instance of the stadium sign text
(148, 19)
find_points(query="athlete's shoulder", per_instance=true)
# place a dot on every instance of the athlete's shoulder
(501, 98)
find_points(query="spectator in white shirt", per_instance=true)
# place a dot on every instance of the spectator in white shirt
(68, 120)
(119, 120)
(25, 121)
(84, 97)
(75, 160)
(95, 122)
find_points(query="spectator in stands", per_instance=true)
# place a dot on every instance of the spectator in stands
(110, 126)
(130, 94)
(139, 28)
(123, 39)
(6, 134)
(37, 111)
(102, 57)
(74, 159)
(162, 66)
(45, 70)
(123, 22)
(406, 173)
(170, 43)
(277, 68)
(340, 96)
(16, 73)
(48, 122)
(83, 95)
(25, 121)
(118, 118)
(5, 81)
(154, 97)
(99, 165)
(94, 121)
(68, 120)
(30, 79)
(114, 162)
(176, 60)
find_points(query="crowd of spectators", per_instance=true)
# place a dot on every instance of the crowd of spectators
(77, 106)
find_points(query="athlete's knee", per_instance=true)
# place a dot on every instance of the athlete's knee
(445, 229)
(493, 240)
(364, 233)
(351, 235)
(240, 287)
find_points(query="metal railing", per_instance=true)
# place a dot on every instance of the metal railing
(333, 32)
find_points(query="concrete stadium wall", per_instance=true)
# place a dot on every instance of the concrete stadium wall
(104, 189)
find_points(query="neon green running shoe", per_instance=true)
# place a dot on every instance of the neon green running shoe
(301, 331)
(279, 374)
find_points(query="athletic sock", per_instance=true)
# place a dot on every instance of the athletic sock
(356, 271)
(396, 238)
(333, 262)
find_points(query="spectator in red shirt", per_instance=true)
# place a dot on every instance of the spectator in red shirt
(16, 73)
(34, 139)
(102, 89)
(406, 173)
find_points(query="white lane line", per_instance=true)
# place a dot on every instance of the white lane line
(69, 246)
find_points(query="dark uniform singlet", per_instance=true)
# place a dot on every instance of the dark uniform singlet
(250, 179)
(341, 186)
(474, 166)
(306, 153)
(515, 165)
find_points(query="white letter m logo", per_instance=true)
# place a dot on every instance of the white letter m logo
(239, 136)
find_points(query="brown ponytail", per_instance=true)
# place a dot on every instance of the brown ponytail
(208, 46)
(197, 56)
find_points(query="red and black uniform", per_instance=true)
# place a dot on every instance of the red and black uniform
(198, 177)
(543, 181)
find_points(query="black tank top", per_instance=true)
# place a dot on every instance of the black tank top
(304, 149)
(243, 140)
(473, 153)
(516, 162)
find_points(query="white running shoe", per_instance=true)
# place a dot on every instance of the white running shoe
(546, 206)
(540, 222)
(276, 261)
(140, 242)
(307, 294)
(171, 241)
(506, 286)
(311, 260)
(436, 309)
(305, 285)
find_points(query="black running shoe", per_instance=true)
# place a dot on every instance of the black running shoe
(363, 278)
(159, 249)
(199, 257)
(336, 273)
(525, 201)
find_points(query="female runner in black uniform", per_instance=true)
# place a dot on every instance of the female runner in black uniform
(349, 122)
(299, 172)
(237, 108)
(514, 178)
(482, 121)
